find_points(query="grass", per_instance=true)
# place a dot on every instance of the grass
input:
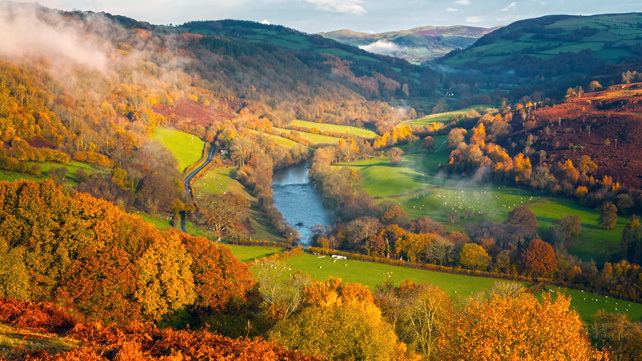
(419, 188)
(250, 253)
(281, 141)
(14, 341)
(457, 286)
(186, 148)
(348, 131)
(314, 139)
(70, 178)
(446, 116)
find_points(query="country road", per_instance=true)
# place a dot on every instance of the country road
(188, 180)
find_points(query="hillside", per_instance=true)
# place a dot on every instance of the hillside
(604, 125)
(416, 45)
(550, 53)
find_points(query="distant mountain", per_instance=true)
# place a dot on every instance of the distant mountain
(550, 53)
(415, 45)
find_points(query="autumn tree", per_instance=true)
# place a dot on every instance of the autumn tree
(282, 291)
(608, 215)
(594, 85)
(340, 322)
(539, 259)
(474, 256)
(617, 334)
(420, 314)
(14, 276)
(165, 281)
(566, 230)
(517, 327)
(225, 214)
(523, 216)
(395, 154)
(456, 137)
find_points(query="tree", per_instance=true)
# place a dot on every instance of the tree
(566, 230)
(424, 317)
(594, 85)
(14, 276)
(219, 278)
(395, 154)
(616, 334)
(456, 137)
(524, 217)
(539, 259)
(517, 327)
(474, 256)
(608, 215)
(631, 243)
(282, 292)
(165, 281)
(395, 214)
(339, 322)
(225, 214)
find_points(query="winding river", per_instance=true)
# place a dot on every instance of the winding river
(299, 202)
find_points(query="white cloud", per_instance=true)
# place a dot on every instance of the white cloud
(381, 47)
(265, 22)
(340, 6)
(474, 19)
(462, 2)
(452, 10)
(510, 6)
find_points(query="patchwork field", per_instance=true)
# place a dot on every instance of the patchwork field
(421, 190)
(186, 148)
(458, 286)
(348, 131)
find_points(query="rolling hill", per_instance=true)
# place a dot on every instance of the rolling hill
(551, 53)
(416, 45)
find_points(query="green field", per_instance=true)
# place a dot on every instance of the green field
(217, 180)
(421, 190)
(281, 141)
(348, 131)
(250, 253)
(186, 148)
(313, 139)
(458, 286)
(447, 116)
(70, 177)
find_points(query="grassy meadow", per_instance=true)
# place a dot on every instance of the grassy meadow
(446, 117)
(186, 148)
(14, 341)
(457, 286)
(346, 130)
(421, 190)
(313, 139)
(71, 178)
(281, 141)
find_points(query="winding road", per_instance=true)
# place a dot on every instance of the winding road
(188, 180)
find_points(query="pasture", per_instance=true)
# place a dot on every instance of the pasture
(418, 186)
(446, 117)
(281, 141)
(71, 177)
(347, 131)
(186, 148)
(457, 286)
(313, 139)
(250, 253)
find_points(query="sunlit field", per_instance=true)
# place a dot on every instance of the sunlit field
(186, 148)
(348, 131)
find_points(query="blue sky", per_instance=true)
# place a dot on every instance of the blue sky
(362, 15)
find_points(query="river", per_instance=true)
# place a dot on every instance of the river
(299, 202)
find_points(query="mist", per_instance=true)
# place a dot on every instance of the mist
(38, 34)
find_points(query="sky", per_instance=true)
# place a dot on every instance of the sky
(314, 16)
